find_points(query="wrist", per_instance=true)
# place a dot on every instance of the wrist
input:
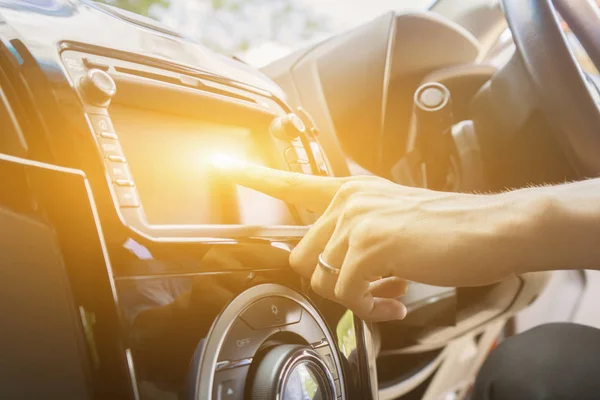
(510, 234)
(504, 226)
(536, 230)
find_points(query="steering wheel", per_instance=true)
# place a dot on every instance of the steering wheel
(549, 75)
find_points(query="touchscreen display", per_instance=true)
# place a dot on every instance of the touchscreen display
(171, 160)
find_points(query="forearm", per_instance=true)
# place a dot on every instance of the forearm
(558, 227)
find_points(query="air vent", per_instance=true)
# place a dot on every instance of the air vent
(185, 81)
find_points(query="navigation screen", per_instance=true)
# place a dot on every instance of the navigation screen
(170, 160)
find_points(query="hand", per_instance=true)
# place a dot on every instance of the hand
(372, 228)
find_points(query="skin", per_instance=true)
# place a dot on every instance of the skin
(372, 228)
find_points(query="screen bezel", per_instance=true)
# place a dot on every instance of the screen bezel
(169, 160)
(140, 93)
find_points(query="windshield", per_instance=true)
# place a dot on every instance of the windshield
(261, 31)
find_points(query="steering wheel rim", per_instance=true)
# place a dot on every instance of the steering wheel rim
(560, 83)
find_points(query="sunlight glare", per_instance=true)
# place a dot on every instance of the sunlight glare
(225, 161)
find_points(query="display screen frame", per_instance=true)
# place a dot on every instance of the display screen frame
(171, 162)
(171, 99)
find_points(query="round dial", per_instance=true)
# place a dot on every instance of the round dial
(289, 372)
(287, 127)
(97, 87)
(253, 351)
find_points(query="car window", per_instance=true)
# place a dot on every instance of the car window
(261, 31)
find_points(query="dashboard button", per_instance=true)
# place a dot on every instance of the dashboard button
(110, 147)
(117, 159)
(325, 353)
(296, 154)
(242, 341)
(73, 63)
(124, 182)
(229, 385)
(108, 135)
(101, 123)
(308, 120)
(308, 328)
(228, 390)
(338, 388)
(89, 63)
(272, 312)
(118, 171)
(127, 196)
(319, 158)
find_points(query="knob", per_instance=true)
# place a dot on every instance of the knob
(309, 119)
(287, 127)
(284, 371)
(97, 87)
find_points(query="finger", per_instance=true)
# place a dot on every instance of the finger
(384, 310)
(391, 287)
(353, 290)
(323, 281)
(314, 192)
(305, 255)
(370, 303)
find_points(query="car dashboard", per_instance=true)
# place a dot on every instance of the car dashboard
(179, 280)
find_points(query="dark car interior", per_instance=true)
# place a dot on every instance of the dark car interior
(131, 271)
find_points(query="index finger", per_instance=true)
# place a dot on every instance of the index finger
(309, 191)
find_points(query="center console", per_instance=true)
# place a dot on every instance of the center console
(160, 132)
(188, 293)
(211, 312)
(191, 295)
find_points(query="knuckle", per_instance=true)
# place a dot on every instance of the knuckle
(355, 206)
(348, 189)
(364, 234)
(365, 228)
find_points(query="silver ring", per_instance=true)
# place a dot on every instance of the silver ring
(328, 268)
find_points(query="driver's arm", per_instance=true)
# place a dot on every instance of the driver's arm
(567, 233)
(371, 227)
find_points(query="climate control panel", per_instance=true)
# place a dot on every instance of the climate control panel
(269, 343)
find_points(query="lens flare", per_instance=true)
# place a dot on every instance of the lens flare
(225, 161)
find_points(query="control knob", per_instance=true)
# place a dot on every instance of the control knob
(286, 371)
(97, 87)
(287, 127)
